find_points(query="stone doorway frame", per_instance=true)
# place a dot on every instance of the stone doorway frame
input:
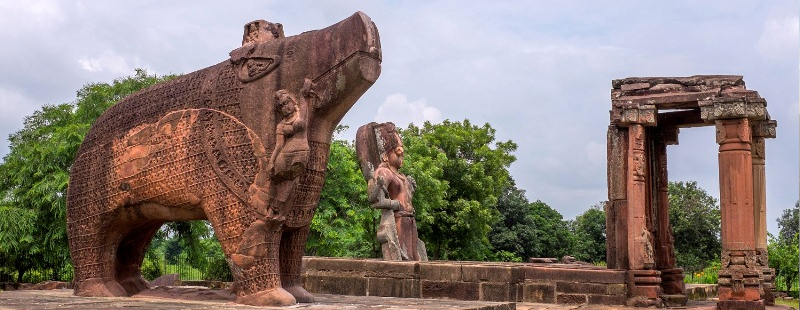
(646, 116)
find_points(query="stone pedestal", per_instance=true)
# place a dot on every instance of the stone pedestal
(644, 288)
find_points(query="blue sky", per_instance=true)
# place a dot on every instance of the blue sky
(539, 72)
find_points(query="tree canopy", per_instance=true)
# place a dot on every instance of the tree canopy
(589, 231)
(35, 173)
(695, 220)
(461, 171)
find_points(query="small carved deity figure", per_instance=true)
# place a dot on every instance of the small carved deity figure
(291, 152)
(381, 154)
(288, 161)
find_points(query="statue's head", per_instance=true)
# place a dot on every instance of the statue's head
(286, 103)
(376, 144)
(390, 146)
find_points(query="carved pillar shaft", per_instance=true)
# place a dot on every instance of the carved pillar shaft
(760, 131)
(671, 277)
(640, 248)
(616, 207)
(739, 277)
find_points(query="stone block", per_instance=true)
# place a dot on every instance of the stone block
(674, 300)
(646, 291)
(392, 269)
(539, 292)
(494, 291)
(740, 305)
(492, 273)
(447, 289)
(335, 264)
(171, 279)
(571, 299)
(635, 86)
(748, 293)
(440, 271)
(583, 288)
(340, 285)
(607, 299)
(574, 275)
(617, 289)
(392, 287)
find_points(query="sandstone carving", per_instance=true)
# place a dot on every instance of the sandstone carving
(646, 116)
(243, 144)
(380, 152)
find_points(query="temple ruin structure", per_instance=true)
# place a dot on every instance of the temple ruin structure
(646, 116)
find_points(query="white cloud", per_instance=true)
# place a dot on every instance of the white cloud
(397, 109)
(779, 38)
(596, 153)
(14, 106)
(109, 61)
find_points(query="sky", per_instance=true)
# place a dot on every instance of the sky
(539, 72)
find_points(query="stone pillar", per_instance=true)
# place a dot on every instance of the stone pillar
(760, 131)
(640, 240)
(671, 276)
(617, 206)
(739, 285)
(739, 276)
(644, 281)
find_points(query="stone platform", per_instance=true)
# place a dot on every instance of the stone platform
(472, 281)
(63, 299)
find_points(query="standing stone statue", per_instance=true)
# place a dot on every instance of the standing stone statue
(243, 144)
(380, 152)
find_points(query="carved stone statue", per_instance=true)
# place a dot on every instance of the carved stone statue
(381, 152)
(243, 144)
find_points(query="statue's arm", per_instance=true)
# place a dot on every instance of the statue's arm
(378, 194)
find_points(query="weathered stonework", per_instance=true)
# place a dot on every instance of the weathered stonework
(243, 144)
(478, 281)
(646, 116)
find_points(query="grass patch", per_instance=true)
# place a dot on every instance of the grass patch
(794, 303)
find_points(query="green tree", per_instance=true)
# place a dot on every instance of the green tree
(589, 230)
(788, 223)
(466, 171)
(513, 236)
(695, 220)
(35, 173)
(783, 256)
(344, 224)
(526, 229)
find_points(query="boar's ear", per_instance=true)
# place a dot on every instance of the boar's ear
(249, 69)
(308, 92)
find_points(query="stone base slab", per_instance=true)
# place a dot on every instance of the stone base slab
(471, 281)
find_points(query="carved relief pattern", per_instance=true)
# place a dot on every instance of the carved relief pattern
(185, 150)
(765, 129)
(726, 108)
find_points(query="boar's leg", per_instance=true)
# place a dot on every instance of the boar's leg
(130, 254)
(293, 245)
(91, 246)
(257, 281)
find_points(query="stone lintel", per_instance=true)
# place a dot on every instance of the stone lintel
(731, 108)
(681, 119)
(669, 135)
(764, 129)
(695, 80)
(644, 115)
(679, 100)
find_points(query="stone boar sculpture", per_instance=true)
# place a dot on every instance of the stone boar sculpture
(243, 144)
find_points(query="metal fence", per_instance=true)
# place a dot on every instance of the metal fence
(212, 268)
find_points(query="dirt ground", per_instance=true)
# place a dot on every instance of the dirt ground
(184, 298)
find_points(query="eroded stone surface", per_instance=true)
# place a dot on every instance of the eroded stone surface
(380, 153)
(243, 144)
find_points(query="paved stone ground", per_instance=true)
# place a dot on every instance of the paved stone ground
(63, 299)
